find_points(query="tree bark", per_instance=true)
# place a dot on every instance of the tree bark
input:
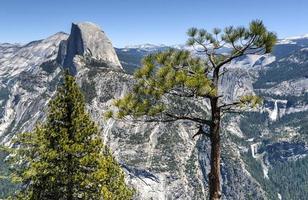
(214, 175)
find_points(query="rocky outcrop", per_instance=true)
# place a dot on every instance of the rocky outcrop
(29, 75)
(236, 83)
(161, 161)
(87, 39)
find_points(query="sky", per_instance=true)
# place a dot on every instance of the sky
(130, 22)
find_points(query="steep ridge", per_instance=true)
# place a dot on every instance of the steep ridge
(26, 74)
(87, 39)
(161, 160)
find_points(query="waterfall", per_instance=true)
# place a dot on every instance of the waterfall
(274, 114)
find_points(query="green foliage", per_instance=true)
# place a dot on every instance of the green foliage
(65, 158)
(6, 186)
(108, 114)
(255, 36)
(163, 73)
(297, 120)
(167, 79)
(252, 124)
(250, 101)
(291, 178)
(255, 169)
(287, 178)
(178, 73)
(88, 88)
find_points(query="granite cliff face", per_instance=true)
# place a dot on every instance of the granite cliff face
(87, 39)
(28, 74)
(162, 161)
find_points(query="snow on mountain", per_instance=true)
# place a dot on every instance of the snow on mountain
(146, 47)
(18, 58)
(293, 39)
(248, 61)
(156, 47)
(286, 41)
(253, 61)
(161, 161)
(305, 36)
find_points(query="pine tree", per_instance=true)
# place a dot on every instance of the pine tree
(65, 157)
(182, 78)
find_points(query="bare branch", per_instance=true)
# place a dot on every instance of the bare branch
(222, 73)
(230, 104)
(188, 95)
(230, 110)
(201, 132)
(210, 56)
(184, 117)
(168, 117)
(238, 53)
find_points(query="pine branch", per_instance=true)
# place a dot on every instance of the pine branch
(230, 104)
(210, 56)
(201, 132)
(238, 53)
(194, 119)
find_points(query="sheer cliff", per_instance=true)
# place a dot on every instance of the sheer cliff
(162, 161)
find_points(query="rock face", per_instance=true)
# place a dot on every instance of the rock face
(28, 74)
(162, 161)
(87, 39)
(236, 83)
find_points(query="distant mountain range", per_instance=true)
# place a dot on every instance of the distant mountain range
(264, 152)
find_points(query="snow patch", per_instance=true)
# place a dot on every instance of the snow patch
(297, 37)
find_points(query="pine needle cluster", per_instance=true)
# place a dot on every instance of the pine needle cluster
(65, 157)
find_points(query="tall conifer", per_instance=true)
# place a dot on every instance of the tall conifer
(65, 157)
(182, 78)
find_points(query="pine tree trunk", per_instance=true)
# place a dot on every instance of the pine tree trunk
(214, 175)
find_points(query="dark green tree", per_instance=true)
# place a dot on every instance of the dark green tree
(65, 157)
(176, 78)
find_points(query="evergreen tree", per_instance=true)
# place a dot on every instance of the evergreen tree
(180, 78)
(65, 157)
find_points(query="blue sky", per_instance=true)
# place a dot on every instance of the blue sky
(129, 22)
